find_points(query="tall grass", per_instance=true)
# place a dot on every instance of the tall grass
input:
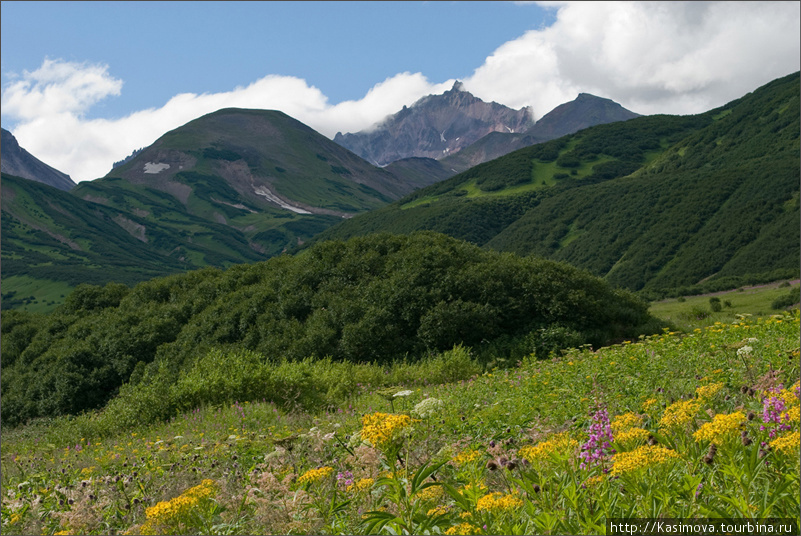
(497, 452)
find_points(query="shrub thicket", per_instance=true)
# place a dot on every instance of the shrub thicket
(377, 299)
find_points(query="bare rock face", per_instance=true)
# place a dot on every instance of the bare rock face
(583, 112)
(15, 160)
(435, 126)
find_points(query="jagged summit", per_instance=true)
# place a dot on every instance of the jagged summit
(434, 127)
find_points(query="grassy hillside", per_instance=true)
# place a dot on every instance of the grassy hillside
(376, 299)
(230, 187)
(727, 306)
(658, 204)
(408, 448)
(53, 241)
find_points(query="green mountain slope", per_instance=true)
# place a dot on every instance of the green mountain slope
(653, 203)
(230, 187)
(258, 174)
(583, 112)
(53, 241)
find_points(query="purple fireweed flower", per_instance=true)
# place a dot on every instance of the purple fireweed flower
(345, 479)
(774, 410)
(599, 444)
(698, 489)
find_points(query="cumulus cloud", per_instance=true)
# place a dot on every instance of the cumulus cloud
(651, 57)
(58, 87)
(49, 104)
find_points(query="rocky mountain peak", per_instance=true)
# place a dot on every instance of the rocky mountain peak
(15, 160)
(434, 127)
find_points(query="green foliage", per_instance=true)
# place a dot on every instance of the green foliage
(715, 305)
(220, 154)
(500, 450)
(377, 299)
(788, 300)
(86, 298)
(661, 205)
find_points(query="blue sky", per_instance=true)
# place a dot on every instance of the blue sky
(161, 49)
(86, 83)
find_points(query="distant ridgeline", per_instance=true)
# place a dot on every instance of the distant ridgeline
(373, 299)
(663, 205)
(232, 186)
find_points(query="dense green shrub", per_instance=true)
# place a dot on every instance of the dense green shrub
(222, 377)
(788, 300)
(376, 299)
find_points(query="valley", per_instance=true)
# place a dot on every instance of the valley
(247, 328)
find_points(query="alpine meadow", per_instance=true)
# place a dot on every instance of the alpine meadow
(246, 328)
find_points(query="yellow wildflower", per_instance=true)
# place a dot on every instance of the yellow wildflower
(361, 485)
(679, 413)
(594, 480)
(632, 435)
(431, 493)
(497, 502)
(466, 456)
(794, 414)
(708, 391)
(475, 488)
(648, 403)
(380, 429)
(721, 428)
(544, 449)
(645, 456)
(463, 528)
(625, 421)
(166, 511)
(313, 475)
(789, 396)
(788, 443)
(438, 511)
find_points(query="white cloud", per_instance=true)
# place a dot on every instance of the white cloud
(651, 57)
(50, 101)
(58, 87)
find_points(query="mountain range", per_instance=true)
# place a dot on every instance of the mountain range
(459, 131)
(434, 127)
(238, 186)
(655, 204)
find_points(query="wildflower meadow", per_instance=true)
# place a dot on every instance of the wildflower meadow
(676, 425)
